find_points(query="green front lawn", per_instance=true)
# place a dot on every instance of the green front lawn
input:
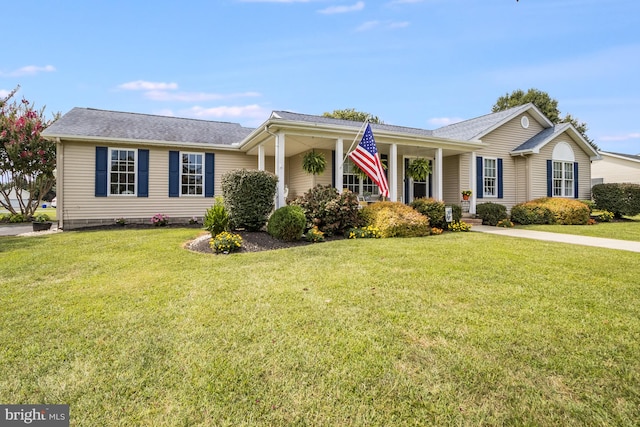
(625, 230)
(128, 328)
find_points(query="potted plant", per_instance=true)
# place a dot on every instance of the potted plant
(466, 194)
(314, 163)
(419, 169)
(41, 222)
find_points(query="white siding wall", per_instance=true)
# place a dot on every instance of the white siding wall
(612, 169)
(82, 208)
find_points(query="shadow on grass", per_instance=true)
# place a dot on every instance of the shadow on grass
(12, 243)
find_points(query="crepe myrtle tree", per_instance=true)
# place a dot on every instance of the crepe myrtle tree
(27, 160)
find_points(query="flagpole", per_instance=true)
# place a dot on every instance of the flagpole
(355, 139)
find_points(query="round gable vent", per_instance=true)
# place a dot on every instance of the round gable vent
(524, 121)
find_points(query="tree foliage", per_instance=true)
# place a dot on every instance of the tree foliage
(547, 105)
(353, 115)
(27, 160)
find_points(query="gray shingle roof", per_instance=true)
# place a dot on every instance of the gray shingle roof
(542, 137)
(297, 117)
(477, 127)
(628, 156)
(90, 122)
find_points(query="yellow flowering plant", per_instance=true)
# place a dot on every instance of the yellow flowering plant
(226, 242)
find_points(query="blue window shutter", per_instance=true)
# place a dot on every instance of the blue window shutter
(406, 182)
(430, 178)
(479, 176)
(174, 174)
(102, 154)
(549, 178)
(500, 180)
(143, 173)
(575, 180)
(209, 168)
(333, 169)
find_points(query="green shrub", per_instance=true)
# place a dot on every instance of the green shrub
(226, 242)
(248, 197)
(505, 223)
(330, 211)
(491, 213)
(4, 217)
(15, 218)
(549, 210)
(621, 199)
(435, 211)
(216, 219)
(395, 219)
(287, 223)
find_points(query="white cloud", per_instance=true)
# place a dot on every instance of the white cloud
(245, 111)
(4, 93)
(443, 121)
(29, 70)
(331, 10)
(633, 135)
(145, 85)
(160, 95)
(369, 25)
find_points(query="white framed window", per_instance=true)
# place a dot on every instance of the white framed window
(355, 184)
(122, 172)
(563, 179)
(490, 177)
(191, 174)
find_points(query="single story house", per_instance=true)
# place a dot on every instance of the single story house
(126, 165)
(616, 167)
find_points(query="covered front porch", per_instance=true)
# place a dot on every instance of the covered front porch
(282, 141)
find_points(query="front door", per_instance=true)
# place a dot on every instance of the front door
(415, 189)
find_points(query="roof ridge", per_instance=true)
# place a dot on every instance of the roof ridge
(155, 115)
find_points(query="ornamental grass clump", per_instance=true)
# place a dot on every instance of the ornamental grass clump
(216, 219)
(395, 219)
(226, 242)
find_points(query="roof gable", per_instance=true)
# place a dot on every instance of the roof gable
(478, 127)
(535, 144)
(92, 123)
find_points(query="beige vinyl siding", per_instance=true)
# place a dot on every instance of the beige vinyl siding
(539, 168)
(453, 169)
(523, 178)
(82, 208)
(613, 169)
(501, 142)
(299, 181)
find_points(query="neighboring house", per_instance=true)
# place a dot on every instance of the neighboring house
(114, 164)
(13, 199)
(616, 167)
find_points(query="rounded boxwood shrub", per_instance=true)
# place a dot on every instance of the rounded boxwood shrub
(531, 213)
(549, 210)
(248, 197)
(395, 219)
(435, 211)
(491, 213)
(287, 223)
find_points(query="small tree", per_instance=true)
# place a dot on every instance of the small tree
(27, 160)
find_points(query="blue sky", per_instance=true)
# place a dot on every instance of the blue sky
(419, 63)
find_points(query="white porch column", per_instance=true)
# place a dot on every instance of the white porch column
(280, 200)
(437, 175)
(261, 166)
(393, 173)
(473, 185)
(339, 165)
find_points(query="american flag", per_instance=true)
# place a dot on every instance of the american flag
(366, 157)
